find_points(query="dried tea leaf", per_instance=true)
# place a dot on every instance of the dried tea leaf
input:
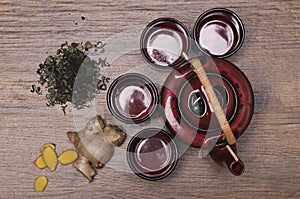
(71, 61)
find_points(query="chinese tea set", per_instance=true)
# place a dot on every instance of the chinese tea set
(188, 110)
(205, 101)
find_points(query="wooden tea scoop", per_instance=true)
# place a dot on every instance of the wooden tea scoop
(199, 70)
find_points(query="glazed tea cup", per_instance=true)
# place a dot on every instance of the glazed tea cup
(132, 98)
(152, 154)
(219, 32)
(163, 41)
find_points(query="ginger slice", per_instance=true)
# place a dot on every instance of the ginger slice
(50, 158)
(40, 183)
(47, 145)
(40, 163)
(68, 157)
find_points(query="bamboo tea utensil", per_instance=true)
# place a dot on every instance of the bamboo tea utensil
(199, 70)
(232, 153)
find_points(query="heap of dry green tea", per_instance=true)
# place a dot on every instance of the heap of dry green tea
(71, 75)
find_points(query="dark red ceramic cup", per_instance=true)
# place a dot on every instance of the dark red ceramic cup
(219, 32)
(132, 98)
(163, 41)
(152, 154)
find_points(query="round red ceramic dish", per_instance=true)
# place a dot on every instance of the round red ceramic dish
(132, 98)
(219, 32)
(152, 154)
(163, 41)
(187, 110)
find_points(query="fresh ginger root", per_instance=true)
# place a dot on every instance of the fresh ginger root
(83, 165)
(95, 145)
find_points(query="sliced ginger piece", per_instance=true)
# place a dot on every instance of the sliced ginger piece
(40, 163)
(68, 156)
(47, 145)
(40, 183)
(50, 158)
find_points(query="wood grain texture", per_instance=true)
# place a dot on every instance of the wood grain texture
(269, 57)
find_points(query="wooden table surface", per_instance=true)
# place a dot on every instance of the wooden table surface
(269, 58)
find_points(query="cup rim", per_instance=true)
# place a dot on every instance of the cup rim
(152, 88)
(146, 30)
(238, 20)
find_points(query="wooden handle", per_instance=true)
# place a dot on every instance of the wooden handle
(197, 66)
(232, 153)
